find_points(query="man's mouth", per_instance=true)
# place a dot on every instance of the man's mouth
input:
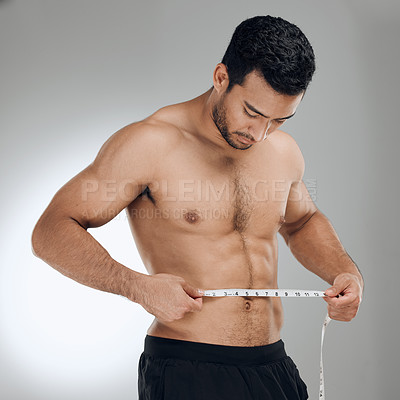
(244, 140)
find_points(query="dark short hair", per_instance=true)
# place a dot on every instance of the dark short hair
(273, 47)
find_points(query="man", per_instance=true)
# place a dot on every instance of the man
(207, 184)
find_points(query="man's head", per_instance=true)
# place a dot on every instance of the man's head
(276, 48)
(267, 67)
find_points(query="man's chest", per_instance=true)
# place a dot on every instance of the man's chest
(202, 194)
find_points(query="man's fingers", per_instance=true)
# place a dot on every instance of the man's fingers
(343, 314)
(343, 298)
(191, 291)
(342, 301)
(197, 304)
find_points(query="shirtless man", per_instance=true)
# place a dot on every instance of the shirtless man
(207, 184)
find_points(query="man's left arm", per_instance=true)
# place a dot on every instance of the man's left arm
(313, 241)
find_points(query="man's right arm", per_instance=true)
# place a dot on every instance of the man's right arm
(124, 166)
(120, 172)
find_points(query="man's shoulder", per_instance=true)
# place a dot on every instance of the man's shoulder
(156, 127)
(175, 118)
(286, 146)
(142, 142)
(153, 132)
(284, 141)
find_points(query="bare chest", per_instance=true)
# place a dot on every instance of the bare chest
(220, 195)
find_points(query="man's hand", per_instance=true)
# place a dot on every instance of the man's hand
(344, 297)
(169, 297)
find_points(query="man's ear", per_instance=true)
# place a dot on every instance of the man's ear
(220, 78)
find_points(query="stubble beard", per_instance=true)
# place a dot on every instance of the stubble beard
(219, 118)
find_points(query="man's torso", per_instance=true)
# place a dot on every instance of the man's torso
(213, 220)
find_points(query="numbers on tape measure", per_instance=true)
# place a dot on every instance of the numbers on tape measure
(264, 293)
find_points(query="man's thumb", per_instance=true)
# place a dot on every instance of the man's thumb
(332, 291)
(192, 292)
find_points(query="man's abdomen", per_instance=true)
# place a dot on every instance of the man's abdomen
(233, 321)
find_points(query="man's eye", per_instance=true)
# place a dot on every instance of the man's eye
(280, 122)
(251, 116)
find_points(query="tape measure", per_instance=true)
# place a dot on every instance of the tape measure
(280, 293)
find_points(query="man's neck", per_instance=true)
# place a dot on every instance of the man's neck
(201, 110)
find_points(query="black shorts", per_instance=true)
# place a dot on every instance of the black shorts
(171, 369)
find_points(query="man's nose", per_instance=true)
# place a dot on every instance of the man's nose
(262, 131)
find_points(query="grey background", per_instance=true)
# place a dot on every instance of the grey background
(72, 73)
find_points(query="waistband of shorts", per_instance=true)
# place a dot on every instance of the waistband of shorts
(187, 350)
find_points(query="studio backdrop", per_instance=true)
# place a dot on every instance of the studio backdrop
(74, 72)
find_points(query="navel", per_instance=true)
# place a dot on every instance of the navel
(247, 303)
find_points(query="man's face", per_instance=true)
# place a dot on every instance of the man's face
(236, 117)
